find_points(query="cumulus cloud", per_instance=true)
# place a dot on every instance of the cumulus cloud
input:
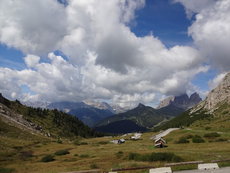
(211, 31)
(32, 26)
(105, 59)
(31, 60)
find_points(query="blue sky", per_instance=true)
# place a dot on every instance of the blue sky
(164, 20)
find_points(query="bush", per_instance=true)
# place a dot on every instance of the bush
(211, 135)
(59, 141)
(84, 156)
(189, 136)
(155, 157)
(207, 128)
(182, 140)
(61, 152)
(6, 170)
(48, 158)
(197, 139)
(221, 140)
(93, 166)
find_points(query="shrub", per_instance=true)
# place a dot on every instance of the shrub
(59, 141)
(182, 140)
(61, 152)
(211, 135)
(6, 170)
(197, 139)
(48, 158)
(93, 166)
(207, 128)
(221, 140)
(155, 157)
(84, 156)
(189, 136)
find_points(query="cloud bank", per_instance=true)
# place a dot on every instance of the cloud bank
(105, 60)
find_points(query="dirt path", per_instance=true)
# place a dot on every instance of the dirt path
(164, 133)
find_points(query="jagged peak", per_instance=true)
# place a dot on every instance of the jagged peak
(140, 105)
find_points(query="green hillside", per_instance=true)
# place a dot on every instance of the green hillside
(219, 119)
(53, 123)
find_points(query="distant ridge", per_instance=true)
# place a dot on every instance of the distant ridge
(89, 114)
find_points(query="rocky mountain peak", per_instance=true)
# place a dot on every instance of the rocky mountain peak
(165, 102)
(140, 105)
(182, 101)
(220, 94)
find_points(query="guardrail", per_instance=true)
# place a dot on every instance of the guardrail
(184, 163)
(129, 169)
(148, 167)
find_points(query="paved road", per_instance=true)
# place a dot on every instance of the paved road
(220, 170)
(164, 133)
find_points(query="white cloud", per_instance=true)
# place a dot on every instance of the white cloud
(32, 60)
(105, 59)
(214, 82)
(211, 30)
(32, 26)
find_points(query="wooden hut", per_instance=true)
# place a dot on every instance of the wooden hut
(160, 143)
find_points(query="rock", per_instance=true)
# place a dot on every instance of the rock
(219, 94)
(181, 101)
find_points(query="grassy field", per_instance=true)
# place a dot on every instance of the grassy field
(23, 153)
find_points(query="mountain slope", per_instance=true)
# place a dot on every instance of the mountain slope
(213, 111)
(51, 123)
(90, 116)
(142, 115)
(87, 113)
(119, 127)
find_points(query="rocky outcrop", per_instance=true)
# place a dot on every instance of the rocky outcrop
(166, 102)
(182, 101)
(10, 117)
(220, 94)
(216, 97)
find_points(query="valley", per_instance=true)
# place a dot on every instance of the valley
(23, 155)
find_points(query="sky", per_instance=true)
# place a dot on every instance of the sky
(123, 52)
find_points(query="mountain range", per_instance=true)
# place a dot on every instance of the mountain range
(213, 111)
(89, 114)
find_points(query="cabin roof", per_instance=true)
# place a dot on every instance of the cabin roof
(160, 139)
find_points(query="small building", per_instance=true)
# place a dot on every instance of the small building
(160, 143)
(119, 141)
(136, 136)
